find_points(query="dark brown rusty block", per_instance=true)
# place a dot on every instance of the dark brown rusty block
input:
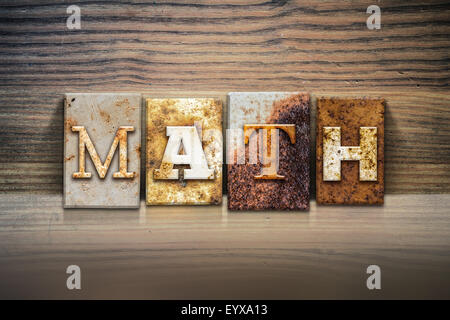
(350, 151)
(287, 188)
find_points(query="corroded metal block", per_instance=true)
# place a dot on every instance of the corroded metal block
(350, 151)
(102, 147)
(268, 163)
(184, 151)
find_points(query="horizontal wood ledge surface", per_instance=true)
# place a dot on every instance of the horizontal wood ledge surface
(210, 253)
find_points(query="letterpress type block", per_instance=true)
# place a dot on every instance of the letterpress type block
(350, 151)
(184, 151)
(102, 146)
(268, 152)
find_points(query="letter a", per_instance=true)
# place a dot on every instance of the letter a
(193, 155)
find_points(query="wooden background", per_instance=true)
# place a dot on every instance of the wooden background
(322, 47)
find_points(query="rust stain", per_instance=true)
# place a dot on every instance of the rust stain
(69, 123)
(164, 171)
(105, 116)
(138, 150)
(122, 102)
(127, 107)
(69, 158)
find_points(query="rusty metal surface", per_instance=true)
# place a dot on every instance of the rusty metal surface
(289, 188)
(270, 149)
(350, 151)
(102, 147)
(168, 182)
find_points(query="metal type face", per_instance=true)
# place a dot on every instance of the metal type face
(350, 151)
(268, 163)
(102, 150)
(184, 151)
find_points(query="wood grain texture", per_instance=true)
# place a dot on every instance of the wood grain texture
(323, 47)
(210, 253)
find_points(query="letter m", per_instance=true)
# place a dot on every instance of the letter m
(84, 142)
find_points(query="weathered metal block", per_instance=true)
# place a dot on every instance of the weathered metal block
(350, 151)
(102, 147)
(184, 151)
(270, 169)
